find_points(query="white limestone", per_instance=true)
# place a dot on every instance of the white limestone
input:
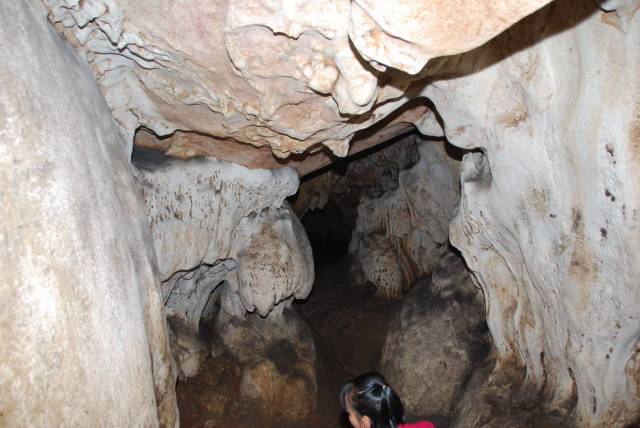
(215, 222)
(82, 328)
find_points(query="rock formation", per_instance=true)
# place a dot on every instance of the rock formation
(82, 327)
(401, 235)
(328, 202)
(209, 218)
(224, 232)
(436, 340)
(548, 214)
(289, 75)
(371, 176)
(549, 194)
(278, 355)
(547, 222)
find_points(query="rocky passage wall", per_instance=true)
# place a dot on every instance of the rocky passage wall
(401, 234)
(81, 321)
(225, 233)
(371, 175)
(214, 221)
(548, 219)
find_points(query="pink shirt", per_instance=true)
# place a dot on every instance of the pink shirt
(422, 424)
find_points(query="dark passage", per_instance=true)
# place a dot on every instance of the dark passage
(329, 234)
(348, 322)
(348, 326)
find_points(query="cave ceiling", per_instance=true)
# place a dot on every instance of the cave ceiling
(273, 82)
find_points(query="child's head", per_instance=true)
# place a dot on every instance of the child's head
(371, 402)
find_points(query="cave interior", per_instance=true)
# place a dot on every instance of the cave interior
(217, 213)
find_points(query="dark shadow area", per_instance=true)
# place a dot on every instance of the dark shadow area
(148, 159)
(527, 32)
(339, 165)
(349, 326)
(328, 233)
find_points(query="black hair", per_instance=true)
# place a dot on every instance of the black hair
(372, 396)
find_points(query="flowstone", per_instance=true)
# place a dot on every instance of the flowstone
(225, 235)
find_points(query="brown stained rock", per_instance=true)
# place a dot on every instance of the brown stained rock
(191, 144)
(281, 396)
(277, 356)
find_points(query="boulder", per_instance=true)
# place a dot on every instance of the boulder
(436, 340)
(277, 355)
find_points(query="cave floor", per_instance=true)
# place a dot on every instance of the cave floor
(348, 326)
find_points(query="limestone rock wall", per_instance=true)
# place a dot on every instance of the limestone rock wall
(547, 220)
(401, 234)
(548, 217)
(290, 75)
(358, 176)
(214, 221)
(82, 327)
